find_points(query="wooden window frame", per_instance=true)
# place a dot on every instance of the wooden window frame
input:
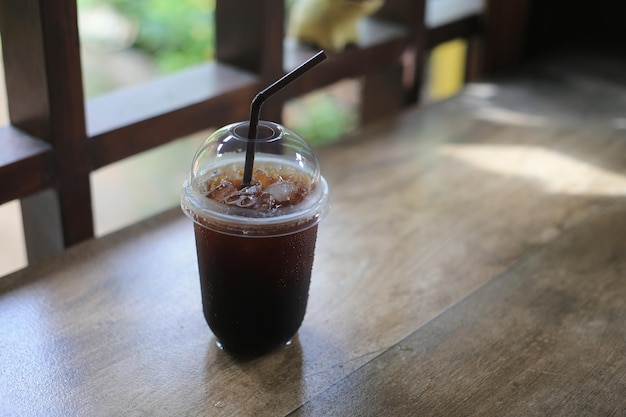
(56, 138)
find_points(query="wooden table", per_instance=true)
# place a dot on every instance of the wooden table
(474, 263)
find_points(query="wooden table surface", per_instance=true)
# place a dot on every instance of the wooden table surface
(473, 263)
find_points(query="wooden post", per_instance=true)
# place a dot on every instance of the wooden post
(45, 99)
(249, 35)
(507, 23)
(387, 92)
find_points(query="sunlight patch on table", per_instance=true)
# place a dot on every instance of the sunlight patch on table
(510, 117)
(557, 173)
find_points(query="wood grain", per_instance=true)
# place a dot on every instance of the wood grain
(545, 338)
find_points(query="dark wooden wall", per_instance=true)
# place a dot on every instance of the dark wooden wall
(576, 24)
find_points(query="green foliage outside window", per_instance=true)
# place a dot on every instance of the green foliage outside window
(176, 34)
(181, 33)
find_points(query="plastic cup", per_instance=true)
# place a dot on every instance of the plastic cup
(255, 253)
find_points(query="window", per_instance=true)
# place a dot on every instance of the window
(62, 143)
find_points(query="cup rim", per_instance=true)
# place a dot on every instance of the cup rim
(232, 220)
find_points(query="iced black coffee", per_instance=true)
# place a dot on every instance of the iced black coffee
(255, 242)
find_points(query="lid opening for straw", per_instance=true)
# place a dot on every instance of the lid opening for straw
(262, 133)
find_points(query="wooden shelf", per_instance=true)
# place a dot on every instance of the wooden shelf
(373, 33)
(25, 164)
(137, 118)
(381, 45)
(438, 35)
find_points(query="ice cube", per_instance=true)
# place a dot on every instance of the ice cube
(222, 191)
(281, 190)
(241, 200)
(299, 194)
(246, 197)
(253, 189)
(263, 178)
(265, 202)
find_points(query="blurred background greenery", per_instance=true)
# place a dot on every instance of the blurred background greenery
(176, 34)
(173, 35)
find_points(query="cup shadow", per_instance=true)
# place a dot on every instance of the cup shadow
(270, 384)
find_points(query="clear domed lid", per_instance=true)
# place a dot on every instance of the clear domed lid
(230, 143)
(286, 193)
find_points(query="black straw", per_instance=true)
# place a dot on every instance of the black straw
(255, 110)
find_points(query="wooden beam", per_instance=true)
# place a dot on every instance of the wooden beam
(26, 164)
(45, 99)
(507, 26)
(410, 14)
(249, 35)
(134, 119)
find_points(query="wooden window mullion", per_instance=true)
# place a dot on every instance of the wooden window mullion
(45, 99)
(249, 36)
